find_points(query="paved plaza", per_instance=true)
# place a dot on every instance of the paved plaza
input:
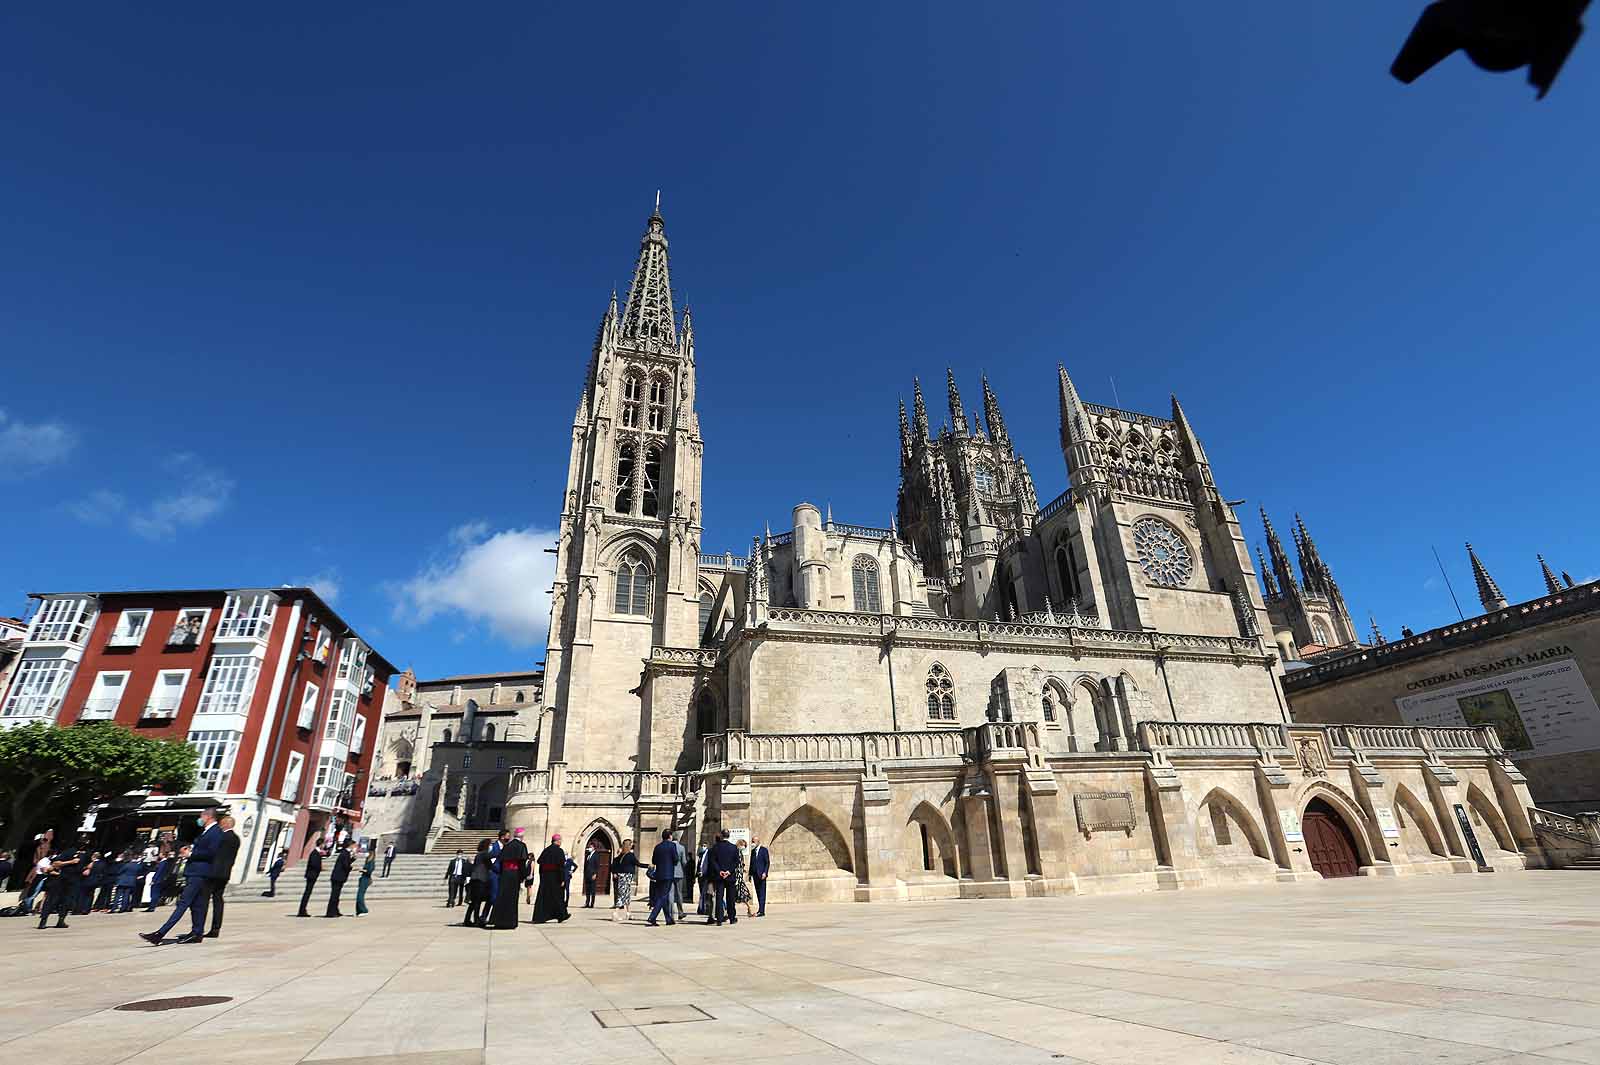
(1453, 969)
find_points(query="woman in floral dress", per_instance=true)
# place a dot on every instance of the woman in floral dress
(741, 886)
(625, 874)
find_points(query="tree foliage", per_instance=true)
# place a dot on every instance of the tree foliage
(43, 767)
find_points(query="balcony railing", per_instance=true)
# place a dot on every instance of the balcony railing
(101, 706)
(125, 639)
(244, 628)
(727, 561)
(33, 706)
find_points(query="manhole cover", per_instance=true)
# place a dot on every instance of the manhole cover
(183, 1002)
(638, 1018)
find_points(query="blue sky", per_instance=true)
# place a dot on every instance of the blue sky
(307, 294)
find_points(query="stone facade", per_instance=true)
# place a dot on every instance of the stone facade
(986, 698)
(1553, 736)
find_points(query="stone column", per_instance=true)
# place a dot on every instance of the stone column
(881, 851)
(975, 799)
(1172, 827)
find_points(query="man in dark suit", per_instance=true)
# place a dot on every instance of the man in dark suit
(591, 873)
(58, 887)
(342, 865)
(196, 888)
(221, 870)
(313, 870)
(456, 876)
(663, 874)
(721, 861)
(274, 871)
(388, 858)
(760, 867)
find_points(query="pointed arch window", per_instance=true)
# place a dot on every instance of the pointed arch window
(707, 602)
(652, 481)
(633, 585)
(656, 413)
(488, 732)
(864, 582)
(705, 713)
(1067, 572)
(622, 503)
(632, 393)
(1319, 632)
(941, 694)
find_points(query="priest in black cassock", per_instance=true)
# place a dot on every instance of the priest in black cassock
(551, 902)
(513, 867)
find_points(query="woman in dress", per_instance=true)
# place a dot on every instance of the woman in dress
(365, 881)
(478, 888)
(741, 886)
(513, 867)
(625, 874)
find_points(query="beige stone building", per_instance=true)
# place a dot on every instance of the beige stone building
(1526, 669)
(988, 698)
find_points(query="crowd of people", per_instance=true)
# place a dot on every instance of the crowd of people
(723, 876)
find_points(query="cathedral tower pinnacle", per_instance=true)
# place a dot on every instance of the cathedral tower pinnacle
(958, 417)
(1489, 593)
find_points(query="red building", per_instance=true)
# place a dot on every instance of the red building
(280, 697)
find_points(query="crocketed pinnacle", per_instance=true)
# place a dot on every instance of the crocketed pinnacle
(1551, 584)
(919, 410)
(992, 416)
(649, 311)
(958, 417)
(1489, 593)
(1269, 584)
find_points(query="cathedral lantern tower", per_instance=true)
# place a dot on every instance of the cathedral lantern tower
(1309, 605)
(627, 562)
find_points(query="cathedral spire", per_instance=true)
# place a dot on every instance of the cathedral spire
(1489, 593)
(919, 416)
(1072, 412)
(1269, 585)
(1551, 585)
(1377, 633)
(1567, 577)
(958, 417)
(905, 436)
(1186, 433)
(648, 316)
(1314, 575)
(1280, 560)
(992, 416)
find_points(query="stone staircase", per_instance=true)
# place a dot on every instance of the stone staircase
(412, 876)
(464, 839)
(1591, 863)
(1568, 842)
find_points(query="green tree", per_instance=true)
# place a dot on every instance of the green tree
(45, 769)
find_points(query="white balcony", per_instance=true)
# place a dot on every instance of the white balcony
(244, 628)
(327, 798)
(154, 712)
(100, 708)
(33, 707)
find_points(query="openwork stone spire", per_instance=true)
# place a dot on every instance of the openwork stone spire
(1269, 584)
(1280, 561)
(1489, 593)
(649, 312)
(919, 410)
(992, 416)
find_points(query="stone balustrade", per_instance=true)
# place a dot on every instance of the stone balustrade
(724, 562)
(1585, 828)
(602, 782)
(695, 656)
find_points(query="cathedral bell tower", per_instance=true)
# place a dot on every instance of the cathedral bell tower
(627, 564)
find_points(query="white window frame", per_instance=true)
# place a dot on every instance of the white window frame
(351, 656)
(359, 737)
(150, 709)
(120, 637)
(308, 706)
(213, 701)
(466, 760)
(205, 620)
(38, 686)
(220, 745)
(247, 616)
(324, 646)
(291, 776)
(324, 792)
(341, 710)
(90, 713)
(65, 619)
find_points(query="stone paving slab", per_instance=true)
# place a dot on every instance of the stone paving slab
(1471, 970)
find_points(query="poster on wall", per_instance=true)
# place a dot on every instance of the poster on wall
(1546, 708)
(737, 835)
(1387, 822)
(1291, 825)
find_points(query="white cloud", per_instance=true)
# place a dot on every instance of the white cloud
(28, 447)
(325, 584)
(499, 579)
(195, 493)
(99, 507)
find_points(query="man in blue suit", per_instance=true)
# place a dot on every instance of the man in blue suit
(722, 861)
(663, 874)
(196, 891)
(760, 866)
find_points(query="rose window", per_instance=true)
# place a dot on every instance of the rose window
(1163, 555)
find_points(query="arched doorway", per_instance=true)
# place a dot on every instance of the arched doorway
(1328, 841)
(602, 847)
